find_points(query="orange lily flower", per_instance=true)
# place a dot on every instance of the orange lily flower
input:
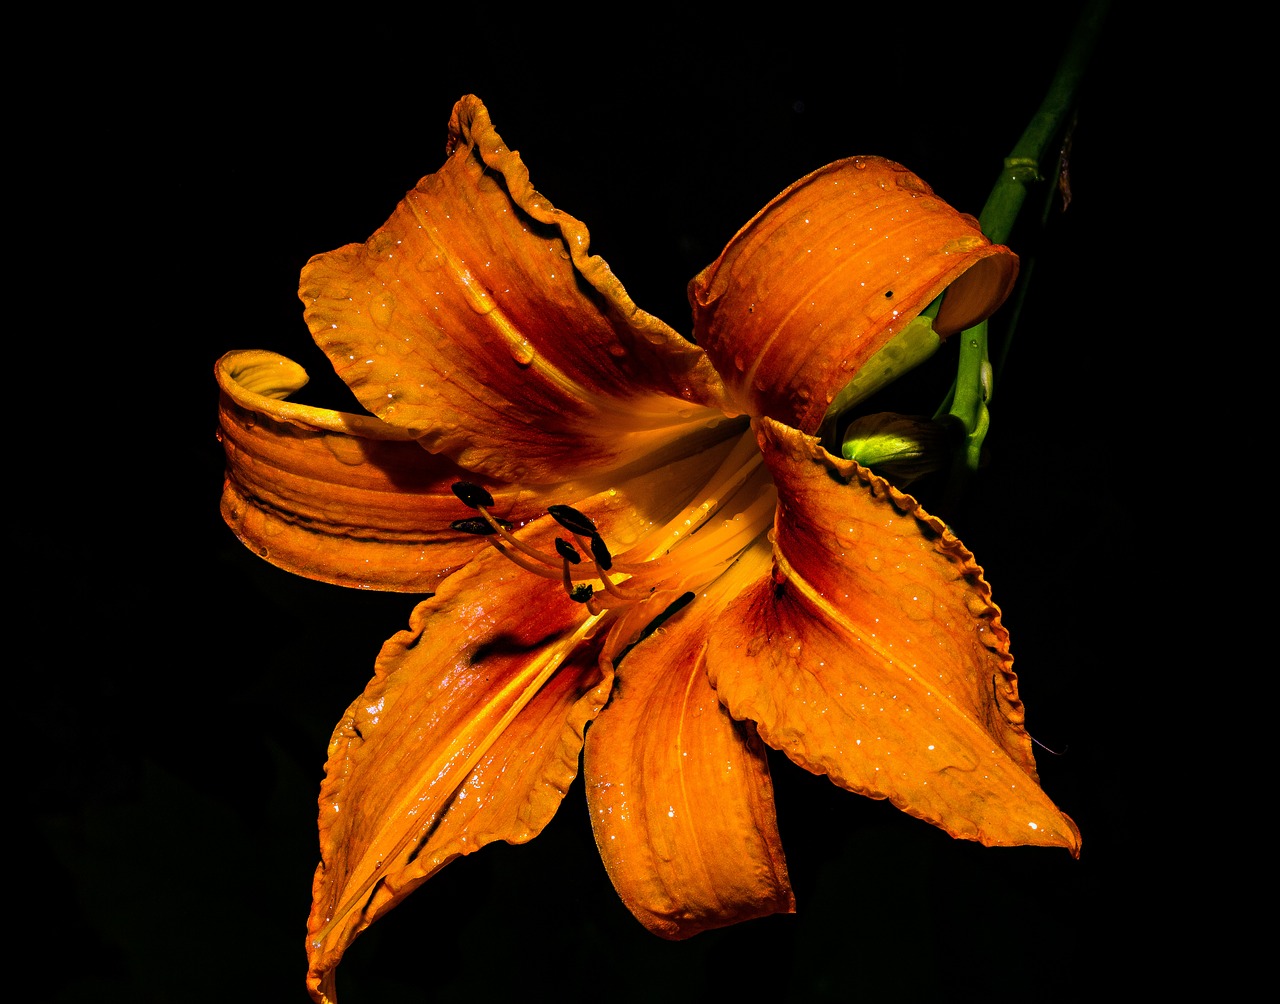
(636, 549)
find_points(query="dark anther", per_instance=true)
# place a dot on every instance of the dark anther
(581, 594)
(480, 527)
(601, 553)
(475, 525)
(567, 551)
(472, 495)
(572, 520)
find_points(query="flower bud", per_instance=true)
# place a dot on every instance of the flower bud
(902, 448)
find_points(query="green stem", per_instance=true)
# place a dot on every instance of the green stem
(1035, 158)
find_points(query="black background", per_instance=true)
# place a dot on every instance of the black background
(180, 695)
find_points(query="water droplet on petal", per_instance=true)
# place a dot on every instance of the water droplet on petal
(381, 310)
(344, 448)
(958, 244)
(522, 352)
(916, 602)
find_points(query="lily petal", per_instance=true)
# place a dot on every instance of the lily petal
(827, 273)
(875, 655)
(469, 733)
(680, 795)
(333, 496)
(476, 319)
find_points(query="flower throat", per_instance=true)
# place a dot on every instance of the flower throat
(683, 554)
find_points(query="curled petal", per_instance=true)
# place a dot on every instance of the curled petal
(680, 795)
(476, 319)
(469, 733)
(827, 273)
(332, 496)
(875, 655)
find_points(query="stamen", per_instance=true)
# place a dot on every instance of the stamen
(683, 554)
(572, 520)
(624, 596)
(516, 550)
(567, 551)
(472, 496)
(480, 526)
(540, 564)
(571, 557)
(600, 552)
(504, 528)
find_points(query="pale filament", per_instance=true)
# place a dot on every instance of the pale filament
(733, 471)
